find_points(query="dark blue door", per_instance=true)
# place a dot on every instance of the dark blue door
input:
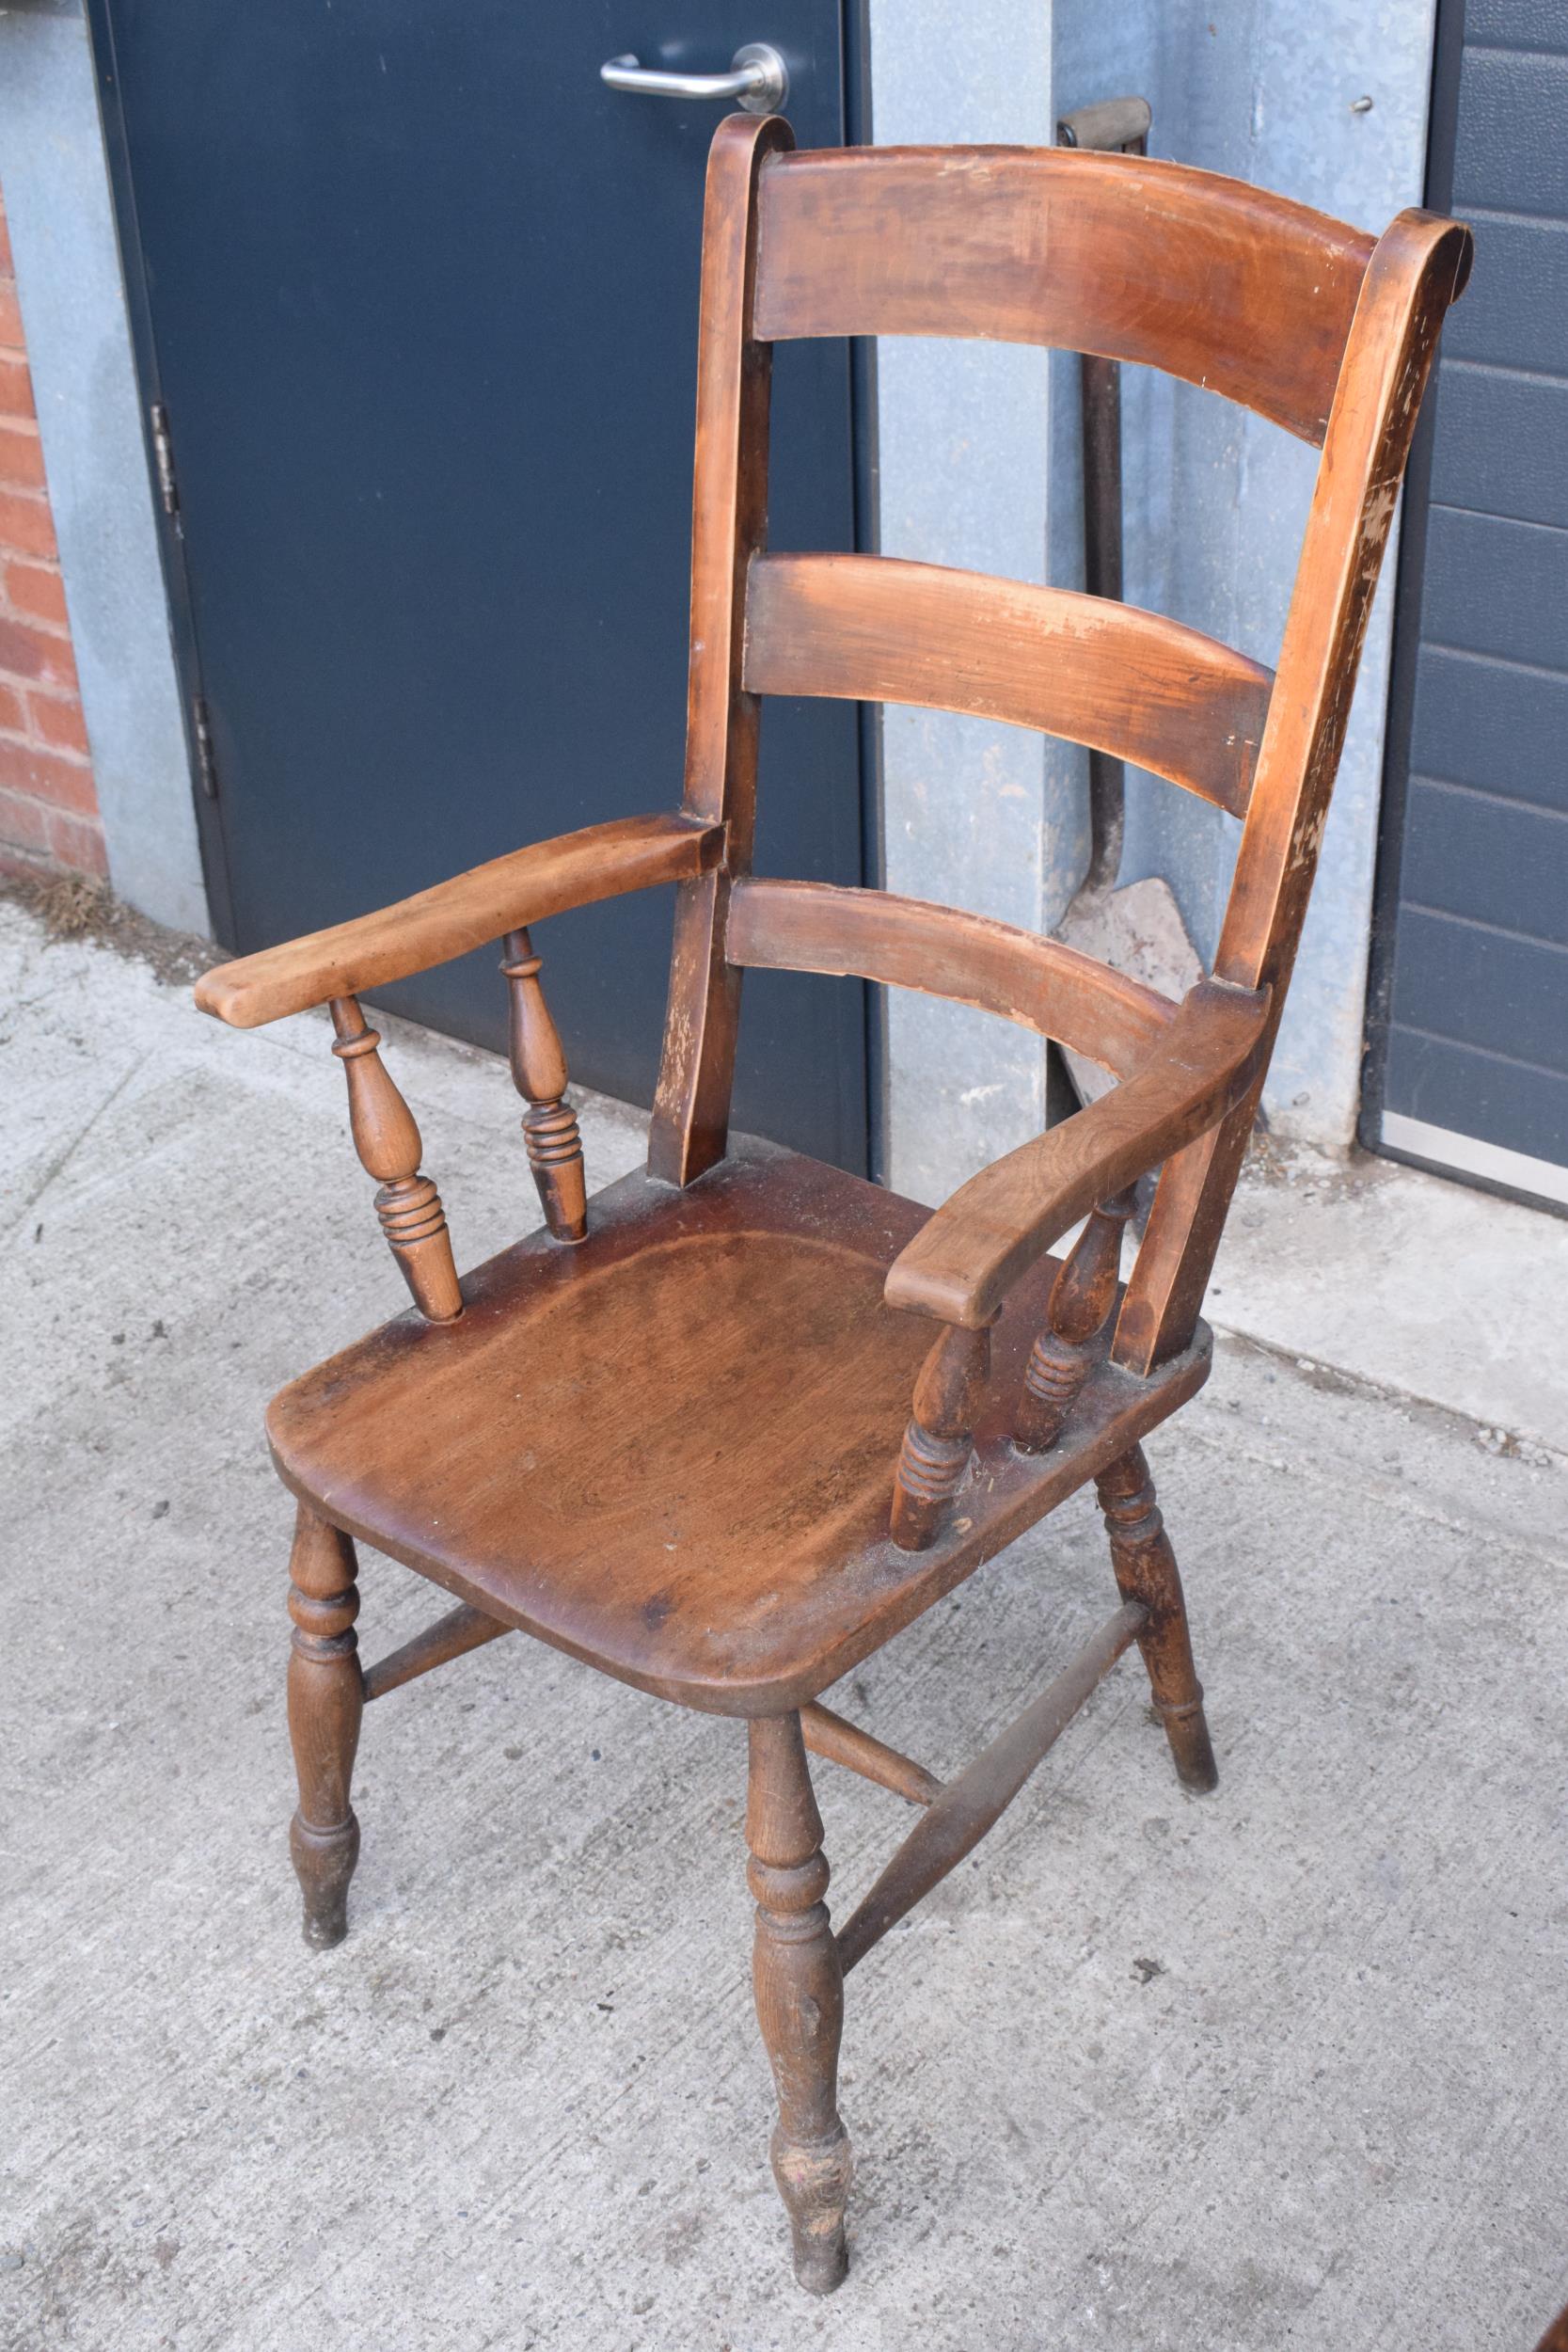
(418, 299)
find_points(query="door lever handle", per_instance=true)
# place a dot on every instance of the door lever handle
(758, 77)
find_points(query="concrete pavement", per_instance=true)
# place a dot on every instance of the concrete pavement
(1281, 2067)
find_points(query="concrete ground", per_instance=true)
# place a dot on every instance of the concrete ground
(1281, 2067)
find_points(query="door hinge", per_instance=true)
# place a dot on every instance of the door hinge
(202, 735)
(163, 459)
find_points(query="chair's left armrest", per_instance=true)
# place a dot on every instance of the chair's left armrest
(961, 1264)
(572, 870)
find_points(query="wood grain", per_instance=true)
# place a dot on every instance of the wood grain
(969, 958)
(325, 1704)
(798, 1986)
(351, 959)
(1420, 269)
(538, 1062)
(729, 521)
(388, 1141)
(961, 1264)
(670, 1449)
(1081, 1299)
(1146, 1574)
(872, 629)
(1224, 284)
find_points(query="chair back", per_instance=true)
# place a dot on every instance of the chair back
(1313, 324)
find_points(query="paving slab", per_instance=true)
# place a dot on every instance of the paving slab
(1279, 2067)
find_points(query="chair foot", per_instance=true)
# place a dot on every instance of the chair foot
(1187, 1729)
(324, 1863)
(815, 2185)
(1145, 1570)
(325, 1703)
(799, 1996)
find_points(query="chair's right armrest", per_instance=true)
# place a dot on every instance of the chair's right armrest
(966, 1257)
(572, 870)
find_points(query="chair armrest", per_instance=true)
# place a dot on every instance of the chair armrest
(961, 1264)
(572, 870)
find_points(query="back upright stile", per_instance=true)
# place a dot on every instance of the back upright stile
(729, 521)
(726, 1429)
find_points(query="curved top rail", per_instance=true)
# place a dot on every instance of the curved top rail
(1226, 285)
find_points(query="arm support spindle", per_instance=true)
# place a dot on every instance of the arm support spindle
(387, 1143)
(539, 1074)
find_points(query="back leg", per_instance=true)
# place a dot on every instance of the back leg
(1145, 1570)
(326, 1700)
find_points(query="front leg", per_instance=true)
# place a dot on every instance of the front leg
(325, 1701)
(799, 1997)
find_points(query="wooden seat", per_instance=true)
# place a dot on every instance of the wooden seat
(668, 1450)
(728, 1428)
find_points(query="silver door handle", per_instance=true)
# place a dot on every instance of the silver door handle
(758, 77)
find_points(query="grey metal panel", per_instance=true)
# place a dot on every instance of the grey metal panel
(1515, 307)
(1502, 444)
(1474, 982)
(1480, 987)
(1516, 25)
(1479, 1094)
(1511, 152)
(1471, 855)
(1489, 724)
(1497, 587)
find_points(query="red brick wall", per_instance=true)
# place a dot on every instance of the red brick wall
(48, 806)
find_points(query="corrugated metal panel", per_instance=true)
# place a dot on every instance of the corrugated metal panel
(1474, 992)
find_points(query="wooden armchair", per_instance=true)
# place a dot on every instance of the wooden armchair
(771, 1412)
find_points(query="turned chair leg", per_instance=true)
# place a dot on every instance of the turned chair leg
(1145, 1570)
(799, 1997)
(325, 1701)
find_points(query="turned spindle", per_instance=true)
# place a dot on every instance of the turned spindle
(387, 1143)
(935, 1451)
(539, 1074)
(325, 1702)
(799, 1983)
(1145, 1572)
(1082, 1297)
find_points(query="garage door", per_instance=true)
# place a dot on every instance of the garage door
(1469, 1066)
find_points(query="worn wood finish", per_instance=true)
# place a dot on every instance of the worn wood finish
(961, 1264)
(1081, 1302)
(1420, 269)
(670, 1451)
(1146, 1574)
(352, 959)
(976, 1800)
(828, 1736)
(452, 1636)
(969, 958)
(539, 1074)
(873, 629)
(325, 1706)
(1206, 278)
(935, 1452)
(799, 1996)
(387, 1143)
(729, 519)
